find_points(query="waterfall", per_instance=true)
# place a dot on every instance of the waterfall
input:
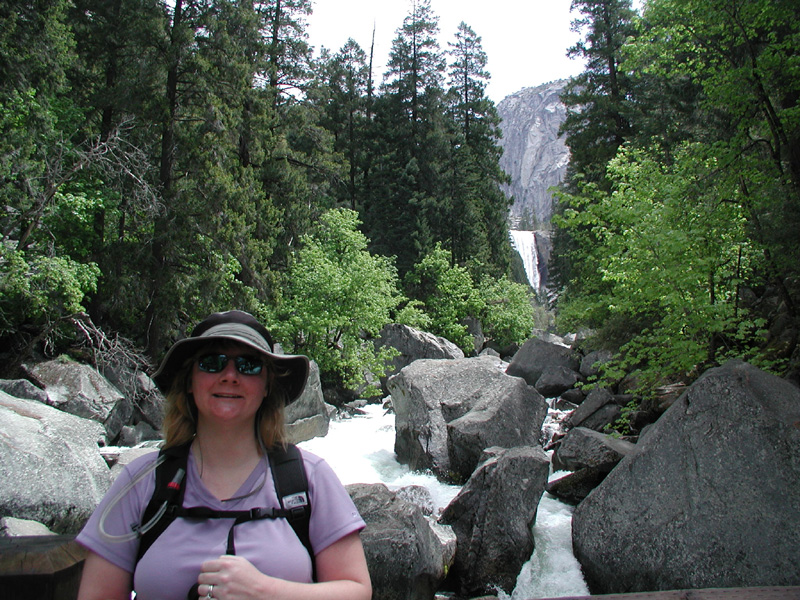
(361, 450)
(524, 242)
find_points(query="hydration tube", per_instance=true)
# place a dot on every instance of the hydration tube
(137, 530)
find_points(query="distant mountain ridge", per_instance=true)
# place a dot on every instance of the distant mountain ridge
(534, 156)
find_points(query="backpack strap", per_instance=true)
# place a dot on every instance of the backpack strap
(167, 496)
(291, 485)
(166, 503)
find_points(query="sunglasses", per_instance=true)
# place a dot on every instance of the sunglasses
(214, 363)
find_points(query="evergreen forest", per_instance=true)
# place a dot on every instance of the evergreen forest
(163, 160)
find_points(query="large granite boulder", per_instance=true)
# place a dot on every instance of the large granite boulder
(448, 411)
(413, 344)
(50, 467)
(80, 390)
(492, 518)
(710, 498)
(591, 363)
(407, 553)
(591, 456)
(582, 447)
(537, 356)
(308, 416)
(140, 390)
(600, 408)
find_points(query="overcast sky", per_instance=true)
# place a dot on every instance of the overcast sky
(525, 40)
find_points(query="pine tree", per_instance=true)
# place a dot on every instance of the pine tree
(405, 183)
(597, 121)
(479, 207)
(343, 96)
(597, 124)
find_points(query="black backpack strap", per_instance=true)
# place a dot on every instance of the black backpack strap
(167, 496)
(166, 504)
(291, 485)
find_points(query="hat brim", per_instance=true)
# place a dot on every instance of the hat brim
(294, 366)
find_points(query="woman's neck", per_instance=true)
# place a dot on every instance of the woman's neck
(221, 446)
(224, 462)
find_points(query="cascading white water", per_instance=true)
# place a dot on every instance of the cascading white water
(361, 450)
(525, 243)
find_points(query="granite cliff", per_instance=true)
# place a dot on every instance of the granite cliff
(534, 155)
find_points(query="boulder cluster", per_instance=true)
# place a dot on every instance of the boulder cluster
(705, 494)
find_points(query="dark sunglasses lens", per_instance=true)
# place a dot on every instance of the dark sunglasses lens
(212, 363)
(247, 365)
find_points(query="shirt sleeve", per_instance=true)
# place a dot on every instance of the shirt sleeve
(109, 531)
(333, 513)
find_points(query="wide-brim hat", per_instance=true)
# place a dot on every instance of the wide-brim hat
(242, 328)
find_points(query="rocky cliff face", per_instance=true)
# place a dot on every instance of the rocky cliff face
(534, 156)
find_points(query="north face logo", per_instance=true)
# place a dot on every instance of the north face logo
(295, 500)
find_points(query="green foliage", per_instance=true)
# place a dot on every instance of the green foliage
(672, 252)
(412, 313)
(38, 290)
(448, 294)
(622, 426)
(508, 313)
(339, 294)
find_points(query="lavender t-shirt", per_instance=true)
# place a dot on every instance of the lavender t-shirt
(171, 565)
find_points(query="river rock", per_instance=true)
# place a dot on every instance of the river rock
(590, 364)
(24, 389)
(554, 381)
(12, 527)
(308, 416)
(710, 498)
(537, 356)
(448, 411)
(408, 554)
(492, 518)
(596, 411)
(582, 447)
(80, 390)
(413, 344)
(574, 487)
(50, 467)
(141, 391)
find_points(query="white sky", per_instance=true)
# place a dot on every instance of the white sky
(525, 40)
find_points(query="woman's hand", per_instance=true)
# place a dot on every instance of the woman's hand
(341, 569)
(233, 578)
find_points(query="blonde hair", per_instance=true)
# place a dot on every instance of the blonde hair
(180, 412)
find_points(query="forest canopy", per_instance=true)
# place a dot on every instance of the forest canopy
(163, 160)
(678, 234)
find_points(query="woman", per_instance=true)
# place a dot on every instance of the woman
(225, 393)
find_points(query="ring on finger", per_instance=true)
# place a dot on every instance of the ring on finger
(210, 592)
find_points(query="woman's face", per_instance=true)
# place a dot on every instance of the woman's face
(228, 396)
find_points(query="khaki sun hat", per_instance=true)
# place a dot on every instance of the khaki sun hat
(243, 328)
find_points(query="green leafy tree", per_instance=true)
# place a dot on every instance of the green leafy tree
(742, 59)
(508, 313)
(448, 294)
(673, 255)
(338, 296)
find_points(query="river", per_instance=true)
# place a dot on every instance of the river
(361, 450)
